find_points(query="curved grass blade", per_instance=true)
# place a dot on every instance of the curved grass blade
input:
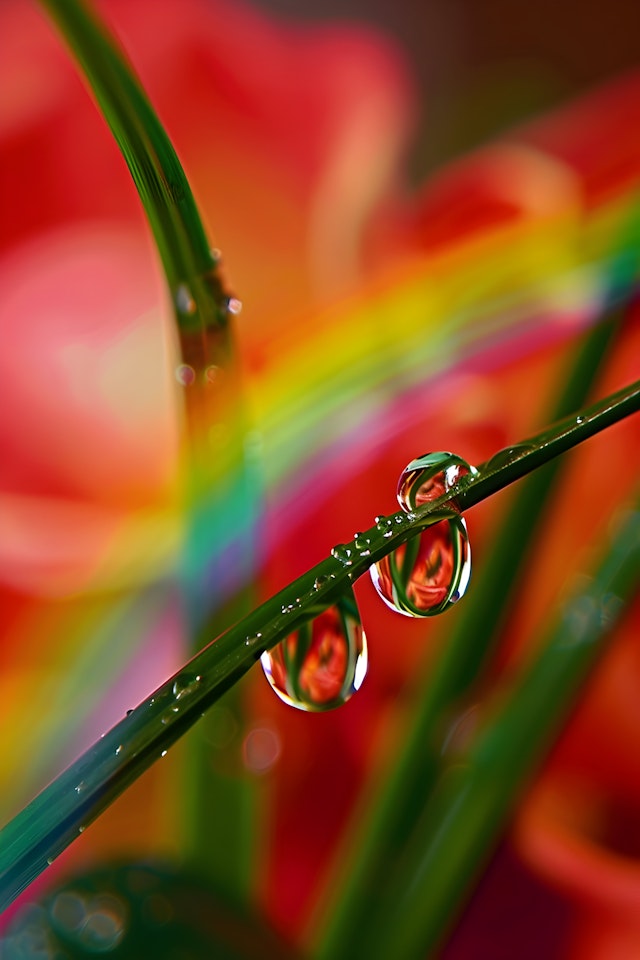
(215, 477)
(385, 826)
(77, 796)
(200, 300)
(465, 815)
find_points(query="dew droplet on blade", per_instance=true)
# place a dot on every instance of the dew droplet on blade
(322, 664)
(430, 572)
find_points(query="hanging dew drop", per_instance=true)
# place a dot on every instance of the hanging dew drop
(184, 300)
(323, 663)
(431, 572)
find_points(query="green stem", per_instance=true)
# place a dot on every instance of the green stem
(465, 815)
(60, 812)
(385, 826)
(201, 309)
(200, 300)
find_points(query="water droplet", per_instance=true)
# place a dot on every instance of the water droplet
(185, 685)
(118, 749)
(81, 828)
(185, 374)
(429, 573)
(430, 476)
(129, 712)
(579, 420)
(211, 373)
(320, 581)
(385, 526)
(251, 641)
(508, 455)
(50, 860)
(424, 576)
(234, 306)
(343, 553)
(322, 664)
(362, 544)
(164, 753)
(184, 300)
(216, 255)
(80, 786)
(290, 607)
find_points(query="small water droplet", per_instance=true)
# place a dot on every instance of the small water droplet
(321, 664)
(343, 553)
(185, 374)
(251, 641)
(81, 828)
(385, 526)
(362, 544)
(508, 455)
(429, 477)
(184, 300)
(118, 749)
(290, 607)
(216, 255)
(320, 581)
(212, 373)
(50, 860)
(129, 712)
(80, 786)
(185, 685)
(579, 420)
(164, 753)
(234, 306)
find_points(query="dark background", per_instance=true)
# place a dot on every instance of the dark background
(483, 65)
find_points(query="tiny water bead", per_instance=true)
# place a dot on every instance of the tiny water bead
(234, 306)
(508, 455)
(320, 665)
(430, 572)
(185, 374)
(184, 300)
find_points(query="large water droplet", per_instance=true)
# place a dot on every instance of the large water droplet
(321, 664)
(430, 572)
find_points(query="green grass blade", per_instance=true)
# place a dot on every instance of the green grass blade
(385, 825)
(466, 813)
(200, 301)
(56, 816)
